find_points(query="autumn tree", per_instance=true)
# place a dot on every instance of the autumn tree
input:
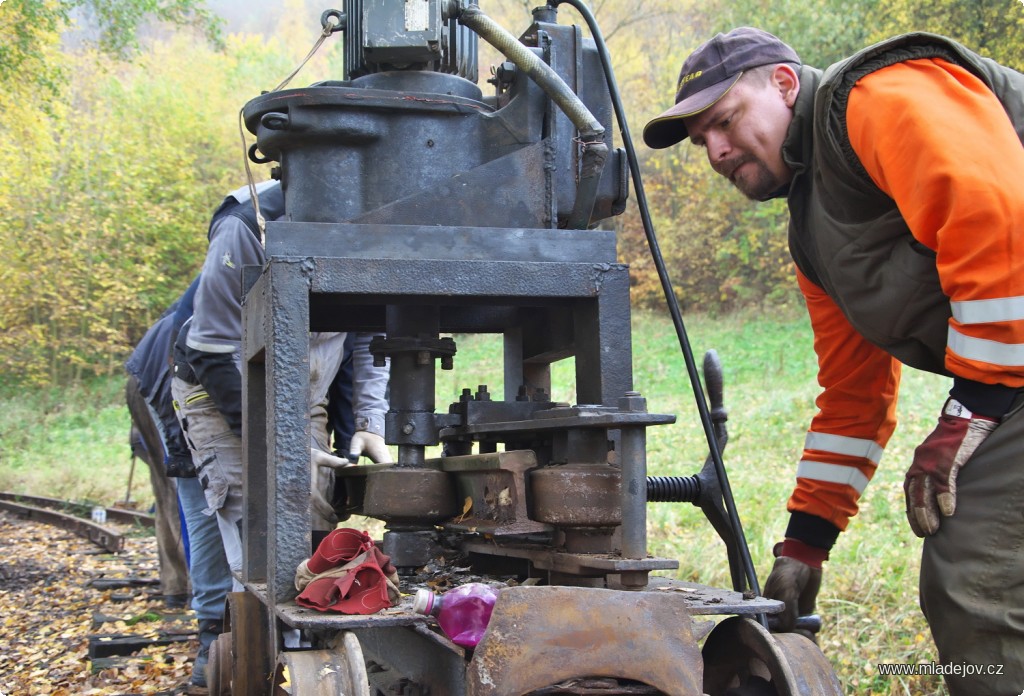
(29, 27)
(108, 188)
(993, 28)
(115, 151)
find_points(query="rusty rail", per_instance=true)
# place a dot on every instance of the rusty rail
(69, 515)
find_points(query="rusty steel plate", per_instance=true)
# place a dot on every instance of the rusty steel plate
(540, 636)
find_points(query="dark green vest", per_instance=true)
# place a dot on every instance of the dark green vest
(847, 235)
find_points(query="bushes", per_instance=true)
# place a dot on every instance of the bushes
(722, 252)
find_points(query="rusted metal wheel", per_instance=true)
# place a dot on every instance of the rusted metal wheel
(218, 669)
(741, 658)
(339, 669)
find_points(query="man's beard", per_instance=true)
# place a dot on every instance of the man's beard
(760, 186)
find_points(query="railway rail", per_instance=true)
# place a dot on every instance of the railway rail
(78, 518)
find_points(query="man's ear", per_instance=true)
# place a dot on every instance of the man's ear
(785, 79)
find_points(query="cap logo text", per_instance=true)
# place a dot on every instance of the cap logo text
(689, 76)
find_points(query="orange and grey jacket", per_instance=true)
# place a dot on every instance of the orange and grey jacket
(907, 215)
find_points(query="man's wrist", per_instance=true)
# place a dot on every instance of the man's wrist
(955, 409)
(371, 423)
(805, 553)
(990, 401)
(812, 530)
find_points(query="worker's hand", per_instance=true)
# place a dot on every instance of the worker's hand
(369, 445)
(322, 507)
(930, 485)
(320, 458)
(320, 482)
(795, 579)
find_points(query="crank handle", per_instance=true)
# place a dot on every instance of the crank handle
(810, 623)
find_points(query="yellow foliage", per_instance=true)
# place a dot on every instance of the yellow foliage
(108, 186)
(107, 193)
(992, 28)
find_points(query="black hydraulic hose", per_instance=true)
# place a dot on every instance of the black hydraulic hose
(666, 284)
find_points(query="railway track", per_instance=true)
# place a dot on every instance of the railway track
(80, 604)
(79, 518)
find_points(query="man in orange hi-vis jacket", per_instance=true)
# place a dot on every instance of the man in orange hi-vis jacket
(903, 168)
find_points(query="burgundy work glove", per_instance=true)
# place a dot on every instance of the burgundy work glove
(795, 579)
(930, 485)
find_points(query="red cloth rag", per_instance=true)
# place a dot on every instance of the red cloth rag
(353, 576)
(340, 546)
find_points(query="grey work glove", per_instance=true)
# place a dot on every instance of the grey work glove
(367, 444)
(321, 481)
(930, 484)
(319, 458)
(795, 580)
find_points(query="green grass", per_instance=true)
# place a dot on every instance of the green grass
(869, 599)
(73, 443)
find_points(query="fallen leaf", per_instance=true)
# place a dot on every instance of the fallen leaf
(467, 505)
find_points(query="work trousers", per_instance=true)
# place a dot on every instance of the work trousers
(972, 570)
(147, 444)
(208, 566)
(169, 543)
(217, 454)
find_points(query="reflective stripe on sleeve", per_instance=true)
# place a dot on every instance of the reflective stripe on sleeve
(987, 311)
(984, 350)
(832, 473)
(840, 444)
(205, 347)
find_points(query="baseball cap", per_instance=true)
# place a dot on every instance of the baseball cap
(710, 72)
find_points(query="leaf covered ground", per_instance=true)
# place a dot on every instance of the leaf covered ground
(49, 610)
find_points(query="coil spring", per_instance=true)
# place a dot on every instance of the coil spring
(672, 489)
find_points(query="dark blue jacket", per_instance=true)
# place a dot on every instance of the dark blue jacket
(150, 363)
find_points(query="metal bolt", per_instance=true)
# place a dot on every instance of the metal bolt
(408, 428)
(633, 401)
(633, 580)
(506, 72)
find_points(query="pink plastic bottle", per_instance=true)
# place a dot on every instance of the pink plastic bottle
(462, 612)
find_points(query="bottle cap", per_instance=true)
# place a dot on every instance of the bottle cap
(423, 602)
